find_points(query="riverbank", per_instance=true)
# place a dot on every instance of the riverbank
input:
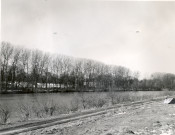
(151, 117)
(59, 90)
(17, 108)
(154, 118)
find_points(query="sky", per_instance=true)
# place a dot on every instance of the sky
(135, 34)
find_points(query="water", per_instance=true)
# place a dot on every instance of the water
(67, 97)
(15, 98)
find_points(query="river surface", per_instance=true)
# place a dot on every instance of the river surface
(67, 97)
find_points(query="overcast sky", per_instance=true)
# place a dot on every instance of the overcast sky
(138, 35)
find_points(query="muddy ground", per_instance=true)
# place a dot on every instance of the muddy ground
(155, 118)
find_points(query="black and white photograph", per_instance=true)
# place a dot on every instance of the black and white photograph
(87, 67)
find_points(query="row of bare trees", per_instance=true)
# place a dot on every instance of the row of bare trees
(33, 70)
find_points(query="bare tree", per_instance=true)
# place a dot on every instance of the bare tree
(15, 61)
(22, 66)
(67, 67)
(87, 72)
(135, 78)
(78, 74)
(45, 67)
(0, 71)
(25, 61)
(6, 53)
(36, 61)
(58, 67)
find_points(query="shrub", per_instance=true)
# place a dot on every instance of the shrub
(96, 101)
(37, 110)
(45, 106)
(49, 107)
(5, 113)
(52, 108)
(24, 110)
(112, 97)
(74, 104)
(100, 102)
(63, 109)
(83, 100)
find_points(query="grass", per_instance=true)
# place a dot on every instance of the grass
(36, 107)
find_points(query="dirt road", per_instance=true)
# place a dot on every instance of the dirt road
(155, 118)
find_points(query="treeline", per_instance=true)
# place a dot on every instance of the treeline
(24, 70)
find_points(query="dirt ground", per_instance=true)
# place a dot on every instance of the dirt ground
(155, 118)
